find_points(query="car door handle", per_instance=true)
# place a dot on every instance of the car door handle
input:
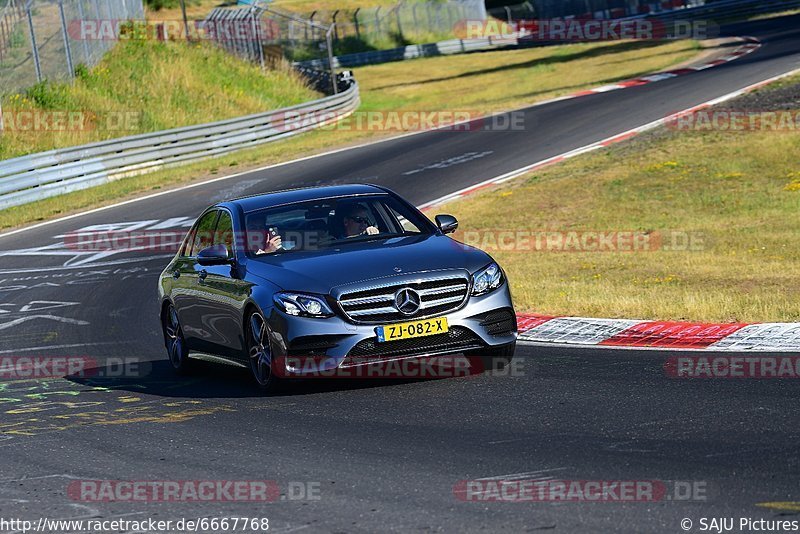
(202, 274)
(176, 274)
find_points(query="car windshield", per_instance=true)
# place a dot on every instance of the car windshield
(319, 224)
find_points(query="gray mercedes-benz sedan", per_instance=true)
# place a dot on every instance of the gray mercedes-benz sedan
(343, 276)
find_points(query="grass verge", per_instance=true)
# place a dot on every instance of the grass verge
(484, 82)
(736, 193)
(144, 86)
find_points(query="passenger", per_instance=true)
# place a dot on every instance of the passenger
(260, 239)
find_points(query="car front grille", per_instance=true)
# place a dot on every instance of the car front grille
(458, 339)
(377, 304)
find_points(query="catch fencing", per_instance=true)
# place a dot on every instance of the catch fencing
(42, 39)
(282, 34)
(405, 20)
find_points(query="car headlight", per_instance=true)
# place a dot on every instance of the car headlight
(487, 279)
(302, 305)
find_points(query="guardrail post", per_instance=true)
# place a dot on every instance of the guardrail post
(68, 52)
(34, 46)
(330, 59)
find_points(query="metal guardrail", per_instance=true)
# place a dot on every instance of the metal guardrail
(442, 48)
(56, 172)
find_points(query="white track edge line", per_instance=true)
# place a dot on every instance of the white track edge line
(605, 142)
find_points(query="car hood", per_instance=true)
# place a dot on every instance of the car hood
(321, 270)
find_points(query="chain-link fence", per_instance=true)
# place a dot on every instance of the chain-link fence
(406, 21)
(50, 39)
(268, 36)
(265, 34)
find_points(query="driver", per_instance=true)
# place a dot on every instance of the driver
(356, 222)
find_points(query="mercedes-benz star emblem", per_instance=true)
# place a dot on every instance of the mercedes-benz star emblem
(407, 301)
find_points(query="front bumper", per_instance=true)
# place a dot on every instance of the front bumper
(483, 322)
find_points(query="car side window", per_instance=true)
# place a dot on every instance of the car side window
(186, 247)
(408, 226)
(204, 232)
(224, 233)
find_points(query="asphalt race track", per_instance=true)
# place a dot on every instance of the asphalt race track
(383, 455)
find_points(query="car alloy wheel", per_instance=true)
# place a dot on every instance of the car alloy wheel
(176, 345)
(259, 352)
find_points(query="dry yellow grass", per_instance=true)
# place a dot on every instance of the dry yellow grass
(145, 86)
(501, 80)
(737, 193)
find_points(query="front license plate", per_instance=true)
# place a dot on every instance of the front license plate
(427, 327)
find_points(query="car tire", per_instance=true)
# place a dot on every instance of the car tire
(177, 351)
(497, 358)
(259, 353)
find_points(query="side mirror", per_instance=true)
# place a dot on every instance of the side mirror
(446, 223)
(214, 255)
